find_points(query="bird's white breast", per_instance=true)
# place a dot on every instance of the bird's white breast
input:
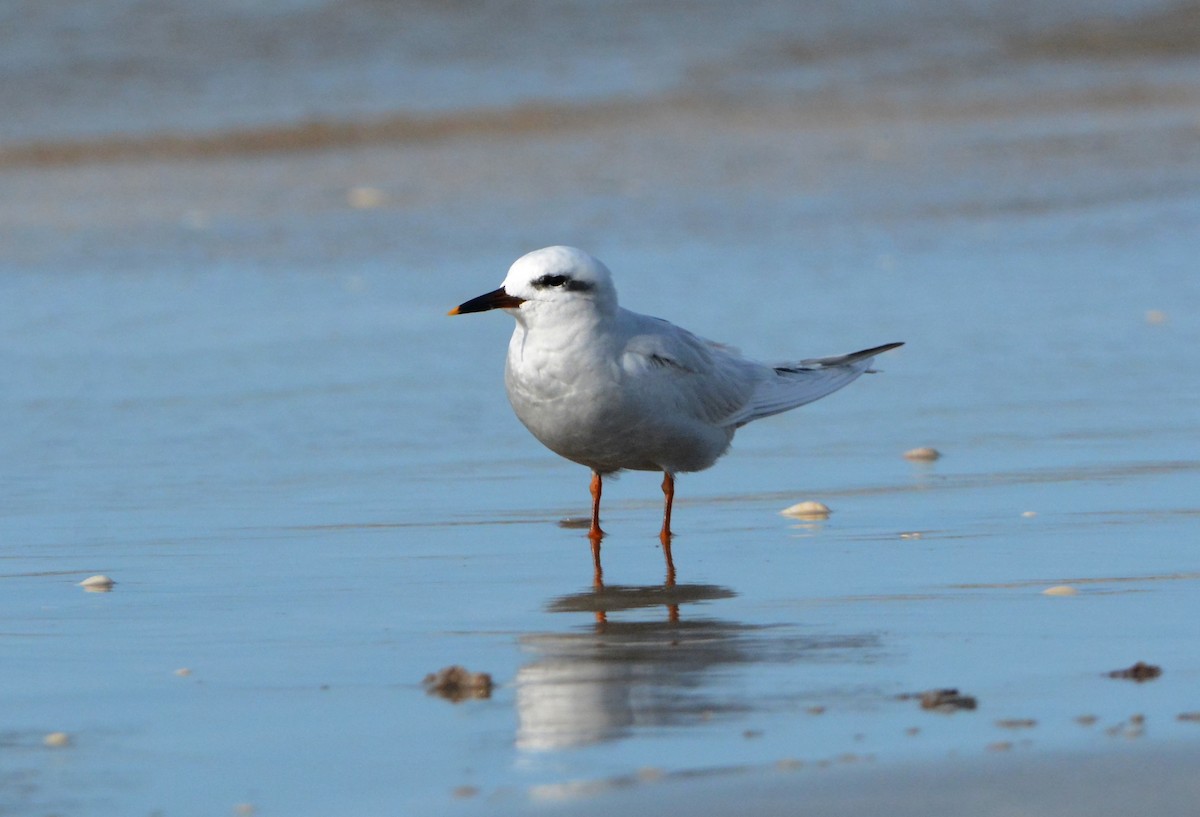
(573, 387)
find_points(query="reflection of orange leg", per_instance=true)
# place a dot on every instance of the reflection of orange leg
(594, 532)
(598, 578)
(672, 609)
(598, 575)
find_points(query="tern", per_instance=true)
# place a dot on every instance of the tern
(615, 390)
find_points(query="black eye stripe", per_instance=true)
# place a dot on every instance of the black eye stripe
(563, 281)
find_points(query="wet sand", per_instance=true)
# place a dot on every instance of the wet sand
(1160, 781)
(230, 385)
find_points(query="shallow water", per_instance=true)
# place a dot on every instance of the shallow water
(238, 395)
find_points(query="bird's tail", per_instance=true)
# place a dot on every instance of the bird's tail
(796, 384)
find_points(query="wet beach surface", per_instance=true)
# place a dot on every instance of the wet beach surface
(230, 385)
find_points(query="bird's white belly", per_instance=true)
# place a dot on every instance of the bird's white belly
(579, 408)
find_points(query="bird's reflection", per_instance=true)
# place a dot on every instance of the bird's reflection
(603, 599)
(628, 669)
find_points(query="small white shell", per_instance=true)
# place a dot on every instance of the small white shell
(98, 583)
(1060, 590)
(807, 510)
(56, 740)
(922, 454)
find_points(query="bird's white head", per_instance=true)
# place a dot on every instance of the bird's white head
(550, 279)
(558, 276)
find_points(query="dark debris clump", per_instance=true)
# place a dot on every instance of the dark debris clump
(458, 684)
(1141, 671)
(942, 700)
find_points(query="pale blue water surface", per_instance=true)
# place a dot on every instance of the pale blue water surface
(238, 394)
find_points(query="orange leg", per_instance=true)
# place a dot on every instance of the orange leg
(668, 488)
(594, 533)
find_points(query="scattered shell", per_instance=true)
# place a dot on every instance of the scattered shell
(98, 583)
(365, 198)
(465, 792)
(1060, 590)
(922, 454)
(1017, 723)
(916, 534)
(999, 746)
(807, 510)
(1141, 671)
(457, 684)
(56, 740)
(183, 672)
(1156, 317)
(1086, 720)
(1188, 717)
(1029, 514)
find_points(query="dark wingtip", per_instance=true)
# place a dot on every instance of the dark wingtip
(853, 357)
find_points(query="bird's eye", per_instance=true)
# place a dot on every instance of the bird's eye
(562, 282)
(552, 281)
